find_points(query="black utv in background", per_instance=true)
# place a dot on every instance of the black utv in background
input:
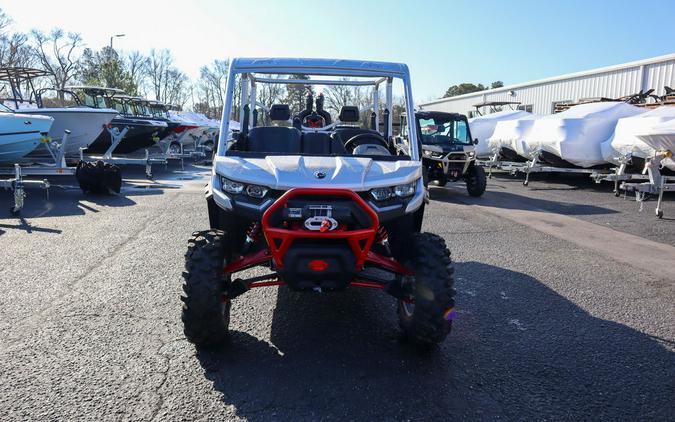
(448, 153)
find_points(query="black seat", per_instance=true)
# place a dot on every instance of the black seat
(350, 114)
(321, 144)
(276, 139)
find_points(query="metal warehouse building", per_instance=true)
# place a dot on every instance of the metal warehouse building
(542, 96)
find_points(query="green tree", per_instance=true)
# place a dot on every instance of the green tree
(463, 88)
(106, 68)
(295, 94)
(496, 84)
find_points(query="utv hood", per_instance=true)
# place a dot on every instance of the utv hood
(286, 172)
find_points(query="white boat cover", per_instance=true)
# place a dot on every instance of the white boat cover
(624, 140)
(661, 137)
(575, 134)
(482, 128)
(511, 134)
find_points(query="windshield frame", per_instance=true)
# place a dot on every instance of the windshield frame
(439, 120)
(377, 73)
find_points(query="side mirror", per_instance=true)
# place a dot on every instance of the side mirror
(475, 141)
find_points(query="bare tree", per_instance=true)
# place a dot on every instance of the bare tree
(58, 54)
(338, 96)
(14, 49)
(159, 64)
(137, 64)
(211, 87)
(175, 87)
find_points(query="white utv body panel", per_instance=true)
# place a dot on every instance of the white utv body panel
(283, 172)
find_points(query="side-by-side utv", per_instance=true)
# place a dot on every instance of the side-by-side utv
(448, 151)
(317, 202)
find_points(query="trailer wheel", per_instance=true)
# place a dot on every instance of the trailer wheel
(476, 181)
(174, 148)
(429, 319)
(206, 315)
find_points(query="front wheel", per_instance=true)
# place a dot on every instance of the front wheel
(206, 315)
(476, 181)
(429, 319)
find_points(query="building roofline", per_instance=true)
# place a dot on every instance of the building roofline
(599, 70)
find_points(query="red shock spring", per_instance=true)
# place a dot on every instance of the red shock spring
(253, 232)
(382, 235)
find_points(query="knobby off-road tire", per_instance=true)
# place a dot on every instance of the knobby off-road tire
(425, 323)
(205, 315)
(476, 182)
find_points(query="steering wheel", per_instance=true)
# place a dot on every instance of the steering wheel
(360, 139)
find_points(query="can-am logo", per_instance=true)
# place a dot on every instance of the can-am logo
(319, 174)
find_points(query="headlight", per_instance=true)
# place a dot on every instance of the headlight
(471, 154)
(426, 152)
(381, 194)
(254, 191)
(230, 186)
(401, 191)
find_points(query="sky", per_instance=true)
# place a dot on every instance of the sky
(443, 42)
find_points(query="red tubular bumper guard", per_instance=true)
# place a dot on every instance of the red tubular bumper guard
(280, 239)
(360, 241)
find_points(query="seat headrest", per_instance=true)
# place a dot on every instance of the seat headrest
(280, 112)
(349, 114)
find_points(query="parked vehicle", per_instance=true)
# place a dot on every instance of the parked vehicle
(84, 123)
(322, 207)
(508, 138)
(483, 127)
(143, 130)
(20, 134)
(572, 138)
(661, 138)
(449, 150)
(624, 144)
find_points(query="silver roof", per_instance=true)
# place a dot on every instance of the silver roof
(331, 67)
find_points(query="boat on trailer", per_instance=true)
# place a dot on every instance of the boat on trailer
(661, 138)
(626, 145)
(489, 114)
(572, 138)
(508, 138)
(20, 134)
(142, 132)
(84, 123)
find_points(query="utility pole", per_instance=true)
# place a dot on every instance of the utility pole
(115, 36)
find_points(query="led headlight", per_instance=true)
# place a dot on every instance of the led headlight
(400, 191)
(403, 191)
(230, 186)
(381, 194)
(255, 191)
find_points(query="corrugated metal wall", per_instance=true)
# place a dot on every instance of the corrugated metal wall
(542, 96)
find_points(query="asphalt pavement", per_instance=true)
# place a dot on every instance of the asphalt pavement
(562, 315)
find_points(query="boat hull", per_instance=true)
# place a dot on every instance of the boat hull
(141, 134)
(20, 135)
(84, 124)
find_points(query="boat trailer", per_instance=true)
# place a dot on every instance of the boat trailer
(117, 136)
(657, 183)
